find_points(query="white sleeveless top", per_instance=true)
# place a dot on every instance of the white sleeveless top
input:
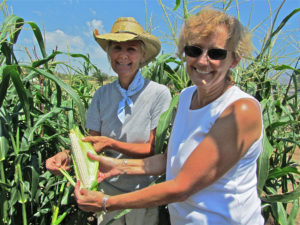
(232, 199)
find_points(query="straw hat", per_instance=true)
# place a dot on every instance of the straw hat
(127, 29)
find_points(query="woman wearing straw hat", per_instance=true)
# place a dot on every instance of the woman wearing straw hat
(123, 115)
(216, 138)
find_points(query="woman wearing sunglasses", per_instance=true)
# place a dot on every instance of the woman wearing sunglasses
(216, 137)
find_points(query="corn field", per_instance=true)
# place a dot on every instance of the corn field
(38, 109)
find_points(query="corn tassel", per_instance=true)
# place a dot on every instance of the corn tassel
(86, 169)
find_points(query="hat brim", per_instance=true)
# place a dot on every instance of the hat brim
(152, 44)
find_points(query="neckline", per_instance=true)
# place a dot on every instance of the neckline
(212, 102)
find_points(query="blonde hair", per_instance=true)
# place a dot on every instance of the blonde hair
(206, 22)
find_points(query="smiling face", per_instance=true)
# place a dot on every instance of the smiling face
(125, 59)
(206, 73)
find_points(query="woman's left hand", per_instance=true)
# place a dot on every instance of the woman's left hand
(88, 201)
(108, 167)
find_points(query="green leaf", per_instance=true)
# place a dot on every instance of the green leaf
(284, 198)
(279, 213)
(4, 145)
(163, 125)
(285, 67)
(293, 213)
(10, 21)
(68, 176)
(14, 196)
(263, 164)
(65, 198)
(12, 72)
(4, 85)
(35, 171)
(272, 35)
(122, 213)
(40, 120)
(279, 172)
(3, 206)
(61, 218)
(17, 29)
(45, 60)
(67, 88)
(38, 35)
(177, 4)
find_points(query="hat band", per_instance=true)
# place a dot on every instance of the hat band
(128, 32)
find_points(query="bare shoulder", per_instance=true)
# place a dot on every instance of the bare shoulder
(245, 108)
(246, 113)
(240, 124)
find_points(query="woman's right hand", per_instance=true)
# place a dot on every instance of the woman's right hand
(59, 161)
(108, 167)
(99, 142)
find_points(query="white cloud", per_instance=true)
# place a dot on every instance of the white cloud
(63, 41)
(76, 44)
(94, 12)
(95, 24)
(68, 43)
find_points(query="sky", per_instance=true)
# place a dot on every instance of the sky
(68, 24)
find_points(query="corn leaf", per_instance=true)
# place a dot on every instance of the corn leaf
(284, 198)
(263, 164)
(163, 125)
(11, 71)
(38, 35)
(68, 176)
(65, 87)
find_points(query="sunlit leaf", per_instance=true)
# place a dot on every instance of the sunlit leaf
(279, 172)
(38, 35)
(263, 164)
(285, 197)
(163, 125)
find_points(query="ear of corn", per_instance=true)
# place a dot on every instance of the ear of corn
(86, 170)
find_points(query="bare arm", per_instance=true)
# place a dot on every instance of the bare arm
(138, 150)
(153, 165)
(234, 132)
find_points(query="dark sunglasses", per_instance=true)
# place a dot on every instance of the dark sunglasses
(213, 53)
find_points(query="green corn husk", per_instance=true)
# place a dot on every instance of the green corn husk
(86, 170)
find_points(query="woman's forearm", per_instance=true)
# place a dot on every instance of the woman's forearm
(137, 150)
(155, 195)
(153, 165)
(151, 196)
